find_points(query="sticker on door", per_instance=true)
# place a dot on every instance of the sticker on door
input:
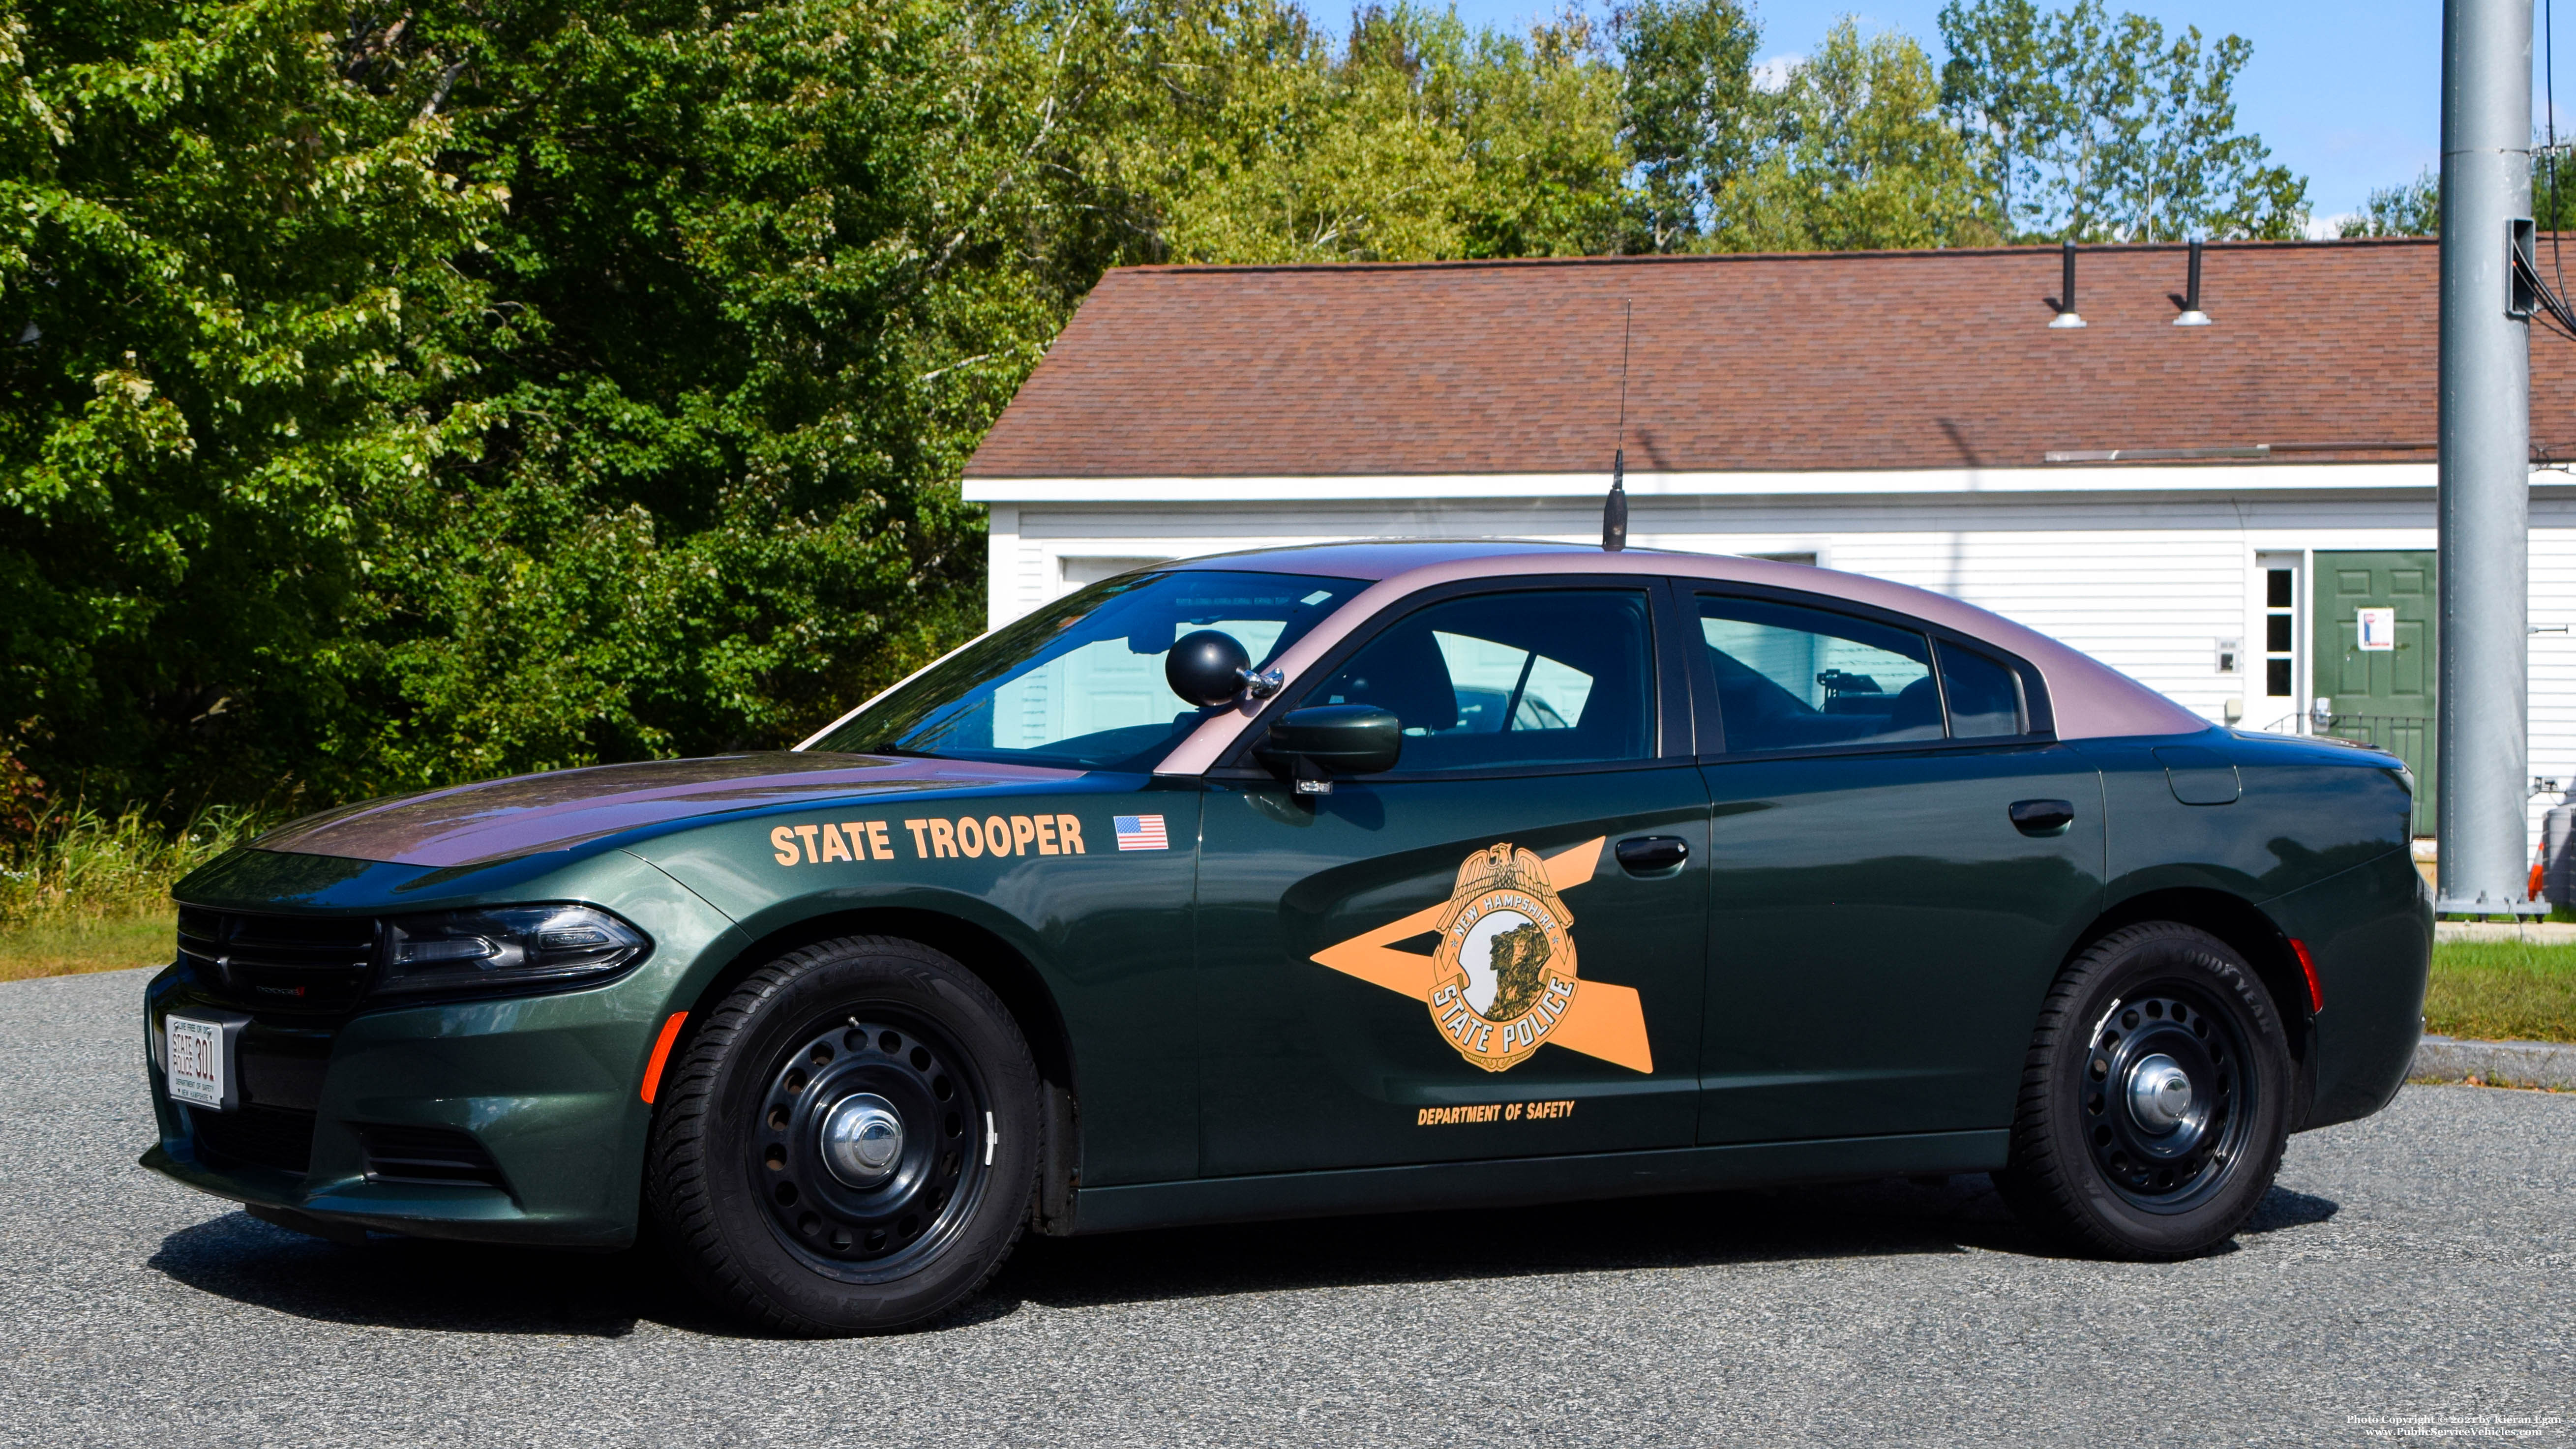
(1502, 982)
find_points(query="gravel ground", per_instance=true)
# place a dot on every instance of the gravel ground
(2417, 1264)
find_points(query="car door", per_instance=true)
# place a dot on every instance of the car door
(1451, 960)
(1899, 857)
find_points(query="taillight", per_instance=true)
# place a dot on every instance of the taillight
(2308, 965)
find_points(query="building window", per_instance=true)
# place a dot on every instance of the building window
(2280, 634)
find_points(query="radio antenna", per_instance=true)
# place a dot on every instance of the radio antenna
(1614, 509)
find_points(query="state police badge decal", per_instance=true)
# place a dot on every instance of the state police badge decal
(1505, 961)
(1501, 982)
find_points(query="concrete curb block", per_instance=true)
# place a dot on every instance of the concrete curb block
(2496, 1063)
(2537, 933)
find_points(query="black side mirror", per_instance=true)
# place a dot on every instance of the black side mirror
(1207, 667)
(1320, 741)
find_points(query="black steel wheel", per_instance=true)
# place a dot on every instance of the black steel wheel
(2166, 1097)
(868, 1147)
(848, 1143)
(2154, 1101)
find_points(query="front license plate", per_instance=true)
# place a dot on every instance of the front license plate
(197, 1070)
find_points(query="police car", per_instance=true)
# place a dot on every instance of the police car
(1319, 880)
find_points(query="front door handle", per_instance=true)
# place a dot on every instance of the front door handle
(1652, 854)
(2043, 817)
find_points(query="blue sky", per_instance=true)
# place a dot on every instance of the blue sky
(2346, 94)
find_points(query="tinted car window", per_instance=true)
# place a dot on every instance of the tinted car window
(1793, 679)
(1984, 693)
(1538, 677)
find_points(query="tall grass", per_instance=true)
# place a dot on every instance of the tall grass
(89, 891)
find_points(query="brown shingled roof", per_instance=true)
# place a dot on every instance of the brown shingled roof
(1927, 359)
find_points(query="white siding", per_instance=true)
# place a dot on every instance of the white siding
(2553, 655)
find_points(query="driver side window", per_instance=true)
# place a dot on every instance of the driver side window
(1534, 678)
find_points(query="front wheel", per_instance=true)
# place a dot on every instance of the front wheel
(849, 1143)
(2155, 1100)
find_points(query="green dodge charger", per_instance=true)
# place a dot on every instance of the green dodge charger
(1320, 880)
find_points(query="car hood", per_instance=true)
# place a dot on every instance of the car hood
(499, 819)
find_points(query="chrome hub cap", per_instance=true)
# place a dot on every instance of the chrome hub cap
(2159, 1094)
(863, 1139)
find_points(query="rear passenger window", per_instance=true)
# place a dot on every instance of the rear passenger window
(1985, 694)
(1793, 679)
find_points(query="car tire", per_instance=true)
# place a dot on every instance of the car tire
(2107, 1155)
(848, 1142)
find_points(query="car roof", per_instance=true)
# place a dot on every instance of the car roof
(2089, 699)
(1384, 558)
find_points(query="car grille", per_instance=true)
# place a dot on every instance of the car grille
(442, 1156)
(281, 965)
(260, 1136)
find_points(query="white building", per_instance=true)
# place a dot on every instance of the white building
(2210, 508)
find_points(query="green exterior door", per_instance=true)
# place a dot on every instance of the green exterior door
(1452, 961)
(2382, 696)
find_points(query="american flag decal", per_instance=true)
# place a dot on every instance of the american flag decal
(1141, 832)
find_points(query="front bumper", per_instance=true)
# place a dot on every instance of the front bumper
(532, 1103)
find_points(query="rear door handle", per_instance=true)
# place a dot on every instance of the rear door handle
(2043, 817)
(1652, 854)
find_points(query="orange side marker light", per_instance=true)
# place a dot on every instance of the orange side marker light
(2307, 964)
(671, 1033)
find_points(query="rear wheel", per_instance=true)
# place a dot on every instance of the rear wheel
(2155, 1099)
(849, 1143)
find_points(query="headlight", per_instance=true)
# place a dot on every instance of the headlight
(506, 948)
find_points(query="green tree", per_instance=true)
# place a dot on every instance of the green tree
(2097, 128)
(2179, 166)
(1863, 158)
(2411, 209)
(1418, 139)
(769, 274)
(228, 272)
(1997, 89)
(1263, 145)
(1693, 120)
(2414, 208)
(2553, 188)
(1541, 120)
(431, 394)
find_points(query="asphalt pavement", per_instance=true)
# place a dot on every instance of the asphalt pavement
(2415, 1271)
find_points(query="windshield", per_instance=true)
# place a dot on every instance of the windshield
(1078, 683)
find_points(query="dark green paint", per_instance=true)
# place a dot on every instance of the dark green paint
(1840, 981)
(1304, 1067)
(1108, 931)
(1881, 935)
(547, 1083)
(2370, 929)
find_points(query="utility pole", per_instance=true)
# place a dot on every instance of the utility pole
(2485, 458)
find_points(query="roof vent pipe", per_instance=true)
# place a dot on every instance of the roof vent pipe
(2067, 316)
(2192, 316)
